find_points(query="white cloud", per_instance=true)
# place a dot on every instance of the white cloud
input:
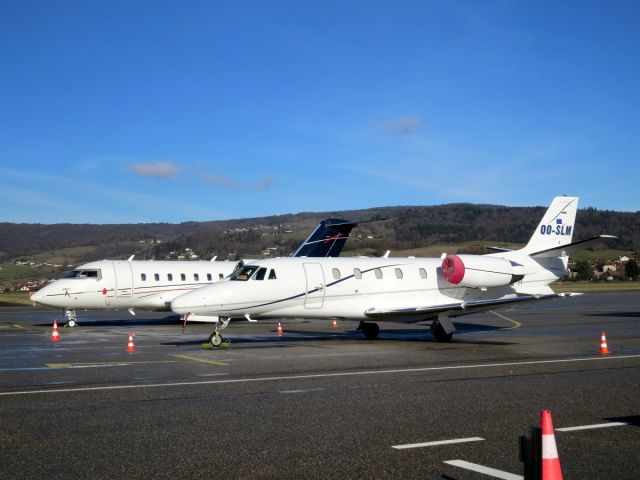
(402, 126)
(265, 183)
(218, 180)
(159, 169)
(225, 182)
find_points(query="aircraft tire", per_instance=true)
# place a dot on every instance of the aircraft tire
(370, 330)
(71, 323)
(441, 335)
(215, 339)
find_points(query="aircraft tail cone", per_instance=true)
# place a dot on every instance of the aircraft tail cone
(550, 460)
(130, 346)
(55, 336)
(279, 330)
(334, 324)
(603, 345)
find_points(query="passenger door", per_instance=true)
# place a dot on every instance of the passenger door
(314, 292)
(124, 281)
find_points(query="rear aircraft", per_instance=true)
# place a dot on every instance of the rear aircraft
(152, 285)
(401, 289)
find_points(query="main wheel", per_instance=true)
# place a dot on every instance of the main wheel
(441, 335)
(370, 330)
(71, 323)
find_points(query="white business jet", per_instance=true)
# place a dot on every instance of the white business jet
(405, 289)
(151, 285)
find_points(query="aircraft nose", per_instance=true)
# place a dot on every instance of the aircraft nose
(38, 296)
(187, 303)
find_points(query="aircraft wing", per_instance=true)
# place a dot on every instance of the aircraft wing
(455, 309)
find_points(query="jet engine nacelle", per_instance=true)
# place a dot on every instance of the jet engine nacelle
(479, 271)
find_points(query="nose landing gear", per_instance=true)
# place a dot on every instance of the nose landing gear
(72, 319)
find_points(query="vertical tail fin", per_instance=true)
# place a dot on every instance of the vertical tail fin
(556, 227)
(327, 240)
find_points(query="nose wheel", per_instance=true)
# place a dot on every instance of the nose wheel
(215, 339)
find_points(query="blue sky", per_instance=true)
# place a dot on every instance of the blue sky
(164, 111)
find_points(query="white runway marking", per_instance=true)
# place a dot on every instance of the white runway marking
(492, 472)
(301, 391)
(437, 443)
(321, 375)
(504, 317)
(591, 427)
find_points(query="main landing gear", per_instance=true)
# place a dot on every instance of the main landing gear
(215, 339)
(369, 329)
(442, 328)
(72, 319)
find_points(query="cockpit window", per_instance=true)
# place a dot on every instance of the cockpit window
(261, 273)
(96, 274)
(244, 273)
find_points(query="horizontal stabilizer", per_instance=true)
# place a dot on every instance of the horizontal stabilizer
(571, 247)
(499, 249)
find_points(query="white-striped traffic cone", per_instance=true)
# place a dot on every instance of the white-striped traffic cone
(279, 330)
(550, 460)
(55, 336)
(130, 346)
(603, 345)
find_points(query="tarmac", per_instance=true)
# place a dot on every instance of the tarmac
(317, 401)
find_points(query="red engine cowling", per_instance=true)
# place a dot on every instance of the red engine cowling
(478, 271)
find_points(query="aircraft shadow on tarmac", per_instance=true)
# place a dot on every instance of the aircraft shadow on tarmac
(129, 322)
(631, 420)
(616, 314)
(291, 336)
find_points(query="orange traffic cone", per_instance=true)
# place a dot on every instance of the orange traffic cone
(550, 460)
(334, 324)
(603, 345)
(130, 346)
(54, 334)
(279, 330)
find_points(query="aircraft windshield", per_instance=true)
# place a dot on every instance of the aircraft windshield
(84, 274)
(244, 273)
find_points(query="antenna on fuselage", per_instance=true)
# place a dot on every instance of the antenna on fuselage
(130, 258)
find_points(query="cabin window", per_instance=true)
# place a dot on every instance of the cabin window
(399, 273)
(143, 277)
(220, 276)
(156, 277)
(170, 277)
(272, 274)
(423, 273)
(261, 273)
(357, 273)
(196, 277)
(336, 273)
(183, 277)
(244, 273)
(378, 273)
(209, 277)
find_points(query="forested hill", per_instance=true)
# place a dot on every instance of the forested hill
(398, 228)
